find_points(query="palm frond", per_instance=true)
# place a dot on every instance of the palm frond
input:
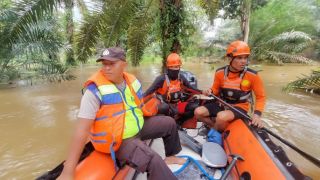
(294, 41)
(283, 48)
(88, 36)
(39, 38)
(116, 20)
(107, 24)
(82, 6)
(292, 36)
(30, 12)
(54, 72)
(138, 33)
(309, 83)
(280, 57)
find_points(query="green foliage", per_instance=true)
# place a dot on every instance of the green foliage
(211, 8)
(9, 74)
(227, 32)
(175, 27)
(280, 31)
(88, 36)
(234, 8)
(108, 24)
(54, 72)
(171, 17)
(22, 44)
(39, 38)
(138, 33)
(117, 16)
(309, 83)
(31, 12)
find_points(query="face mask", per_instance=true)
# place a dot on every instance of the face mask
(173, 74)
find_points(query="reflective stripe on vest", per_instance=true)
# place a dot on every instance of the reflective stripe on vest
(134, 116)
(110, 94)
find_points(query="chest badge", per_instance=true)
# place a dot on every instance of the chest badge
(245, 83)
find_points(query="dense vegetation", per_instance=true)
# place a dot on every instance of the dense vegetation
(42, 39)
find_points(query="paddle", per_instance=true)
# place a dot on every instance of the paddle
(312, 159)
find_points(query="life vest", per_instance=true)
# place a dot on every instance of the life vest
(171, 90)
(120, 115)
(231, 90)
(151, 103)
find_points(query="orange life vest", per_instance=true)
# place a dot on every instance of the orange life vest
(171, 89)
(231, 89)
(150, 107)
(108, 127)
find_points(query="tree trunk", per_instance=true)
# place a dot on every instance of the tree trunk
(70, 30)
(245, 20)
(170, 24)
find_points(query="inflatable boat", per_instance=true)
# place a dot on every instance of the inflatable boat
(245, 153)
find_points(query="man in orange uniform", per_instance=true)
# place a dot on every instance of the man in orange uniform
(111, 116)
(171, 87)
(234, 84)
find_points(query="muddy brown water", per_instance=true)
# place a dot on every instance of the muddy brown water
(37, 121)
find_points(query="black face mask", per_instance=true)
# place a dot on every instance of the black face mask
(173, 74)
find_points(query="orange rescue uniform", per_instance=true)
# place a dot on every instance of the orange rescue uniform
(232, 85)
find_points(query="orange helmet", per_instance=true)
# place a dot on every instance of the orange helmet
(173, 60)
(237, 48)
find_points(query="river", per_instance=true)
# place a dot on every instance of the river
(37, 121)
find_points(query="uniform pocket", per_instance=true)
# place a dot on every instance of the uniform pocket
(140, 157)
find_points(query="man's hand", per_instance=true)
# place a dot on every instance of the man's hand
(207, 92)
(256, 121)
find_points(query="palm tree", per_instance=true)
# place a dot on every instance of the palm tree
(32, 46)
(34, 11)
(283, 48)
(278, 41)
(134, 24)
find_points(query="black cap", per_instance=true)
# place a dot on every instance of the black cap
(112, 54)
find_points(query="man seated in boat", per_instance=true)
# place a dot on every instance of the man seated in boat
(235, 84)
(171, 88)
(111, 116)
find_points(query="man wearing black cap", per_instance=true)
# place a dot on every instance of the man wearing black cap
(111, 116)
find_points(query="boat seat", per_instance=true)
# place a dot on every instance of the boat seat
(213, 155)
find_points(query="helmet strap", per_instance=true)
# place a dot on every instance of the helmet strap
(232, 58)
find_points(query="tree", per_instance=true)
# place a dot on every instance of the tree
(275, 40)
(241, 9)
(133, 24)
(33, 46)
(34, 11)
(172, 17)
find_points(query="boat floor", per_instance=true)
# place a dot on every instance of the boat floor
(158, 146)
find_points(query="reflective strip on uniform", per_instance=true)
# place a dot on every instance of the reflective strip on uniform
(136, 85)
(247, 96)
(108, 89)
(114, 98)
(133, 117)
(101, 118)
(98, 134)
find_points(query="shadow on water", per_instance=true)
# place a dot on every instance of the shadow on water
(36, 122)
